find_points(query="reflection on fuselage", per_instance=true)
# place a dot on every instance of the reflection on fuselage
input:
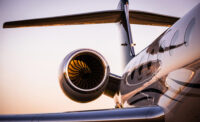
(167, 72)
(143, 72)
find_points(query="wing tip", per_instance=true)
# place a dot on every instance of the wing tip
(9, 25)
(5, 25)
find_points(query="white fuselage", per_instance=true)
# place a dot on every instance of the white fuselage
(172, 65)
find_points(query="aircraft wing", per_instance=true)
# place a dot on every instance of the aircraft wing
(144, 114)
(111, 16)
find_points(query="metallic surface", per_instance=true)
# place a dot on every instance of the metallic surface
(127, 49)
(86, 81)
(165, 75)
(110, 16)
(144, 114)
(173, 80)
(112, 87)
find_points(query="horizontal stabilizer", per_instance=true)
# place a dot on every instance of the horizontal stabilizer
(144, 18)
(144, 114)
(87, 18)
(112, 16)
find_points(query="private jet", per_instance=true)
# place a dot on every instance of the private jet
(161, 83)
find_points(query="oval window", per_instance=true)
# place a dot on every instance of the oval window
(173, 43)
(164, 44)
(174, 38)
(188, 31)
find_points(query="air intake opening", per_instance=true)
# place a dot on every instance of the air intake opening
(86, 71)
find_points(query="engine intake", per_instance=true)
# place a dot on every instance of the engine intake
(84, 75)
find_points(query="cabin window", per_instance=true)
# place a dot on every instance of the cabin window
(132, 74)
(174, 44)
(174, 38)
(188, 31)
(164, 44)
(140, 70)
(149, 65)
(161, 49)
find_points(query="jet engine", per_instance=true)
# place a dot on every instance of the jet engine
(84, 75)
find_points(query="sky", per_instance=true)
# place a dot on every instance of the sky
(30, 57)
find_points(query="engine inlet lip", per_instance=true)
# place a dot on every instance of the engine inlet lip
(92, 52)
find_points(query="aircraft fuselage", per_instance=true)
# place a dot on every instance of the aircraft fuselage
(167, 72)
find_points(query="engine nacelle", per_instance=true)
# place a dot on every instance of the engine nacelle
(84, 75)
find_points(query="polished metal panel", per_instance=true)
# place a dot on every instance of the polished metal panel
(144, 114)
(113, 85)
(84, 75)
(175, 81)
(166, 82)
(109, 16)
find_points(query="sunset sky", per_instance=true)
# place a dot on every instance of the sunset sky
(30, 57)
